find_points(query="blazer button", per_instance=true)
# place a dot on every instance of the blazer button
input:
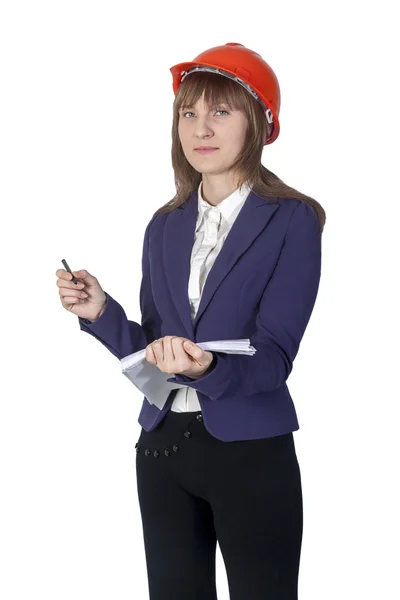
(137, 450)
(156, 453)
(175, 448)
(136, 445)
(199, 417)
(147, 452)
(167, 452)
(187, 434)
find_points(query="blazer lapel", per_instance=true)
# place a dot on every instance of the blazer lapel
(178, 239)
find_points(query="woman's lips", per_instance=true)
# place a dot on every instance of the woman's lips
(208, 151)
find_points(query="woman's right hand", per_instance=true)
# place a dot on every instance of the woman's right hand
(87, 301)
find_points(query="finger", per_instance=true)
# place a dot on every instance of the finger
(85, 276)
(184, 345)
(65, 292)
(158, 350)
(68, 300)
(196, 353)
(181, 356)
(69, 284)
(65, 280)
(149, 354)
(63, 274)
(169, 356)
(82, 274)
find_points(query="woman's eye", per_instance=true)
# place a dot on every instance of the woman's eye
(218, 110)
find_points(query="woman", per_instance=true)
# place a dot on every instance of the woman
(235, 254)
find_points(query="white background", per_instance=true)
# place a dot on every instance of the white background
(86, 111)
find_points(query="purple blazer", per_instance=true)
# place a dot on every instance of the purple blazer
(262, 286)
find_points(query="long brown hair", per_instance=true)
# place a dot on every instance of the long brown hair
(247, 167)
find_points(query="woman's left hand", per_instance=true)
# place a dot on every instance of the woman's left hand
(179, 356)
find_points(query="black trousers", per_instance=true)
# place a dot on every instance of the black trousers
(195, 490)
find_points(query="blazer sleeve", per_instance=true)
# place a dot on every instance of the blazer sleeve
(284, 312)
(113, 329)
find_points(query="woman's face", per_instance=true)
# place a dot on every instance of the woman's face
(217, 126)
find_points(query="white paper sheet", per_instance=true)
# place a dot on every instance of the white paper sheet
(153, 383)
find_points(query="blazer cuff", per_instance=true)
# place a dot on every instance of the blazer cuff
(214, 383)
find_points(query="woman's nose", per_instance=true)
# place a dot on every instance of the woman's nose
(203, 127)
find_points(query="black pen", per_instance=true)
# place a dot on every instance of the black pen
(64, 262)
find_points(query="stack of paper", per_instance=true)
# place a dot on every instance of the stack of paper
(153, 383)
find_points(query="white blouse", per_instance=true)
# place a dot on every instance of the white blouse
(213, 225)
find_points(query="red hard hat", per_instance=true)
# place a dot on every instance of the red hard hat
(244, 66)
